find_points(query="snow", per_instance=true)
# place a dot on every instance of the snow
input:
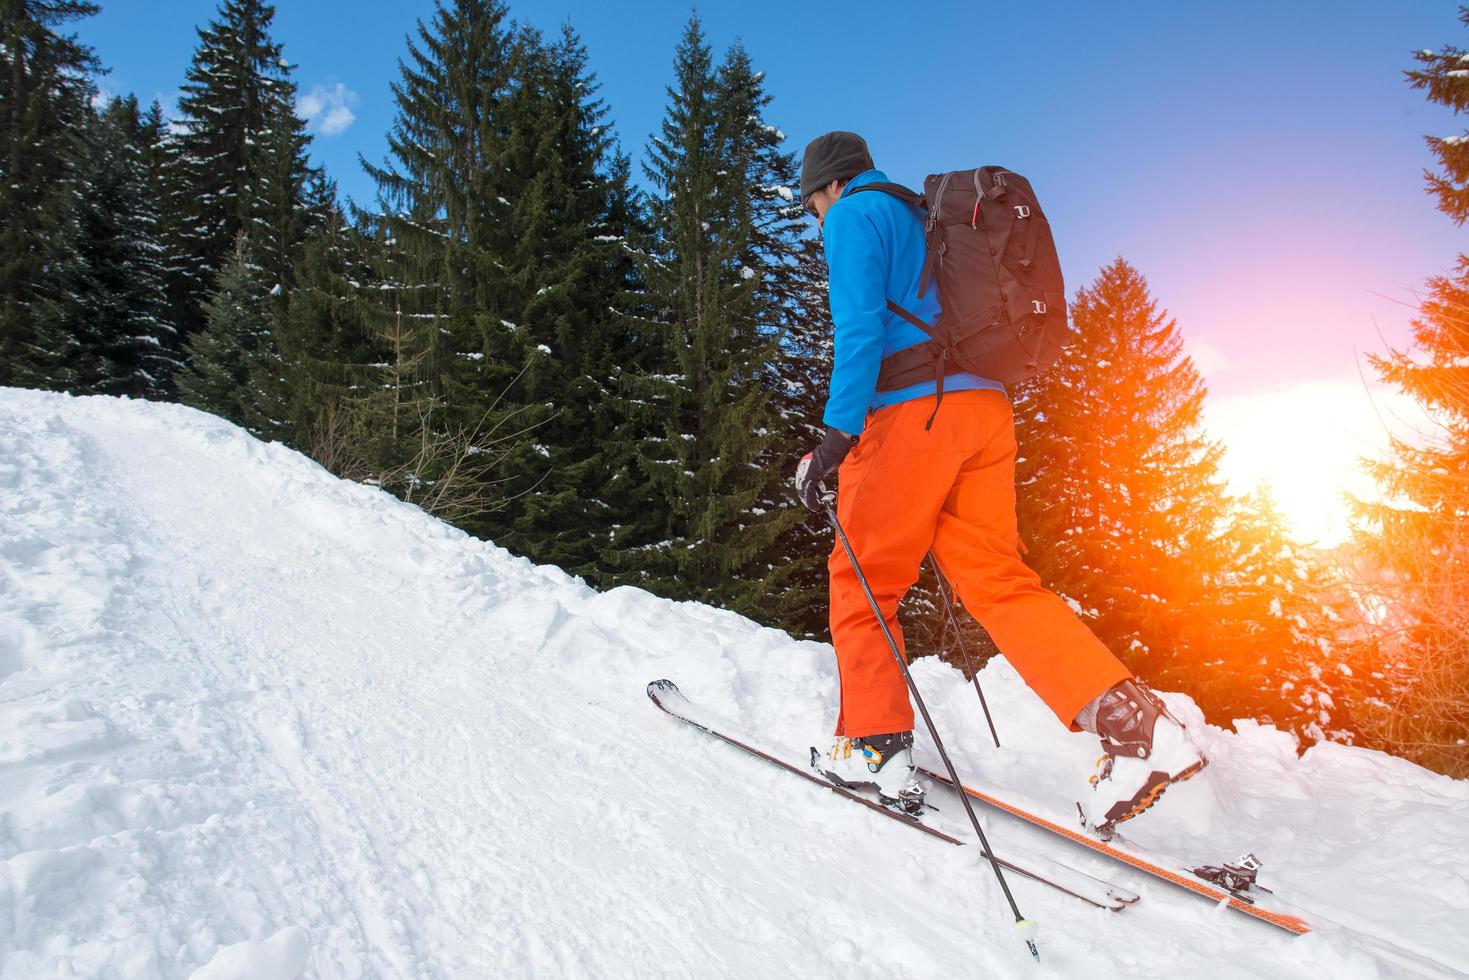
(259, 722)
(281, 956)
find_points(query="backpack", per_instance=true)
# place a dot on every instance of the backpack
(989, 248)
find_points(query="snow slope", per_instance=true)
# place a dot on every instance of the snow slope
(259, 722)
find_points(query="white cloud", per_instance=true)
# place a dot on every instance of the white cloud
(327, 109)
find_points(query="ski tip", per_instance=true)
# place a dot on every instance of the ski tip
(662, 686)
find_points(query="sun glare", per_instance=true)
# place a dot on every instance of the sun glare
(1306, 441)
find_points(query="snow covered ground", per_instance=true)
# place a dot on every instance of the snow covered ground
(257, 722)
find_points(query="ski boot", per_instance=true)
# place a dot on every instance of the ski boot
(1146, 751)
(882, 762)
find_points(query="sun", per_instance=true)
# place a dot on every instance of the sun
(1306, 441)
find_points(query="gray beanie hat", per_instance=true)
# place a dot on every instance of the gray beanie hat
(835, 156)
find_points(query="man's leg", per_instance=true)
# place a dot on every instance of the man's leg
(977, 547)
(889, 499)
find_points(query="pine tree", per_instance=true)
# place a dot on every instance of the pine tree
(443, 220)
(563, 248)
(675, 258)
(722, 227)
(1119, 501)
(151, 140)
(1417, 645)
(436, 193)
(123, 345)
(228, 359)
(637, 517)
(438, 204)
(773, 586)
(363, 288)
(239, 163)
(1419, 537)
(1443, 76)
(44, 111)
(295, 199)
(401, 430)
(1272, 634)
(326, 346)
(801, 375)
(180, 308)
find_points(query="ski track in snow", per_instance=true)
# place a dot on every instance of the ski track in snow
(258, 722)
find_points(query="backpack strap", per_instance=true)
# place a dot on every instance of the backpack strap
(940, 356)
(997, 187)
(911, 318)
(1027, 258)
(940, 352)
(895, 190)
(917, 200)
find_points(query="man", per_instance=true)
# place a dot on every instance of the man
(914, 479)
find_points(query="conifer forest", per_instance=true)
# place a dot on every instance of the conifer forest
(615, 368)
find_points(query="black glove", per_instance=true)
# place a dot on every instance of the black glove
(819, 464)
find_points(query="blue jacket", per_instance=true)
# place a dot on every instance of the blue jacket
(874, 252)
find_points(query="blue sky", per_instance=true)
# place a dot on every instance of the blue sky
(1260, 162)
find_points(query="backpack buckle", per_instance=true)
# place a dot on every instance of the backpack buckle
(1039, 305)
(1022, 210)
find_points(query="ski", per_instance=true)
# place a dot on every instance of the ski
(1130, 857)
(1078, 884)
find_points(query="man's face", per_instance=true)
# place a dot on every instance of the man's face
(821, 201)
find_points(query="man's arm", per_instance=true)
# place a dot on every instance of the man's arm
(857, 270)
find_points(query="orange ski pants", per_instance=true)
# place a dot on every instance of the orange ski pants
(903, 491)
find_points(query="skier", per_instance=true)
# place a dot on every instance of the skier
(913, 479)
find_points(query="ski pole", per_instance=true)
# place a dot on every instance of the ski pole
(1023, 926)
(964, 650)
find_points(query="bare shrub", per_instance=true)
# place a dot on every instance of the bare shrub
(455, 473)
